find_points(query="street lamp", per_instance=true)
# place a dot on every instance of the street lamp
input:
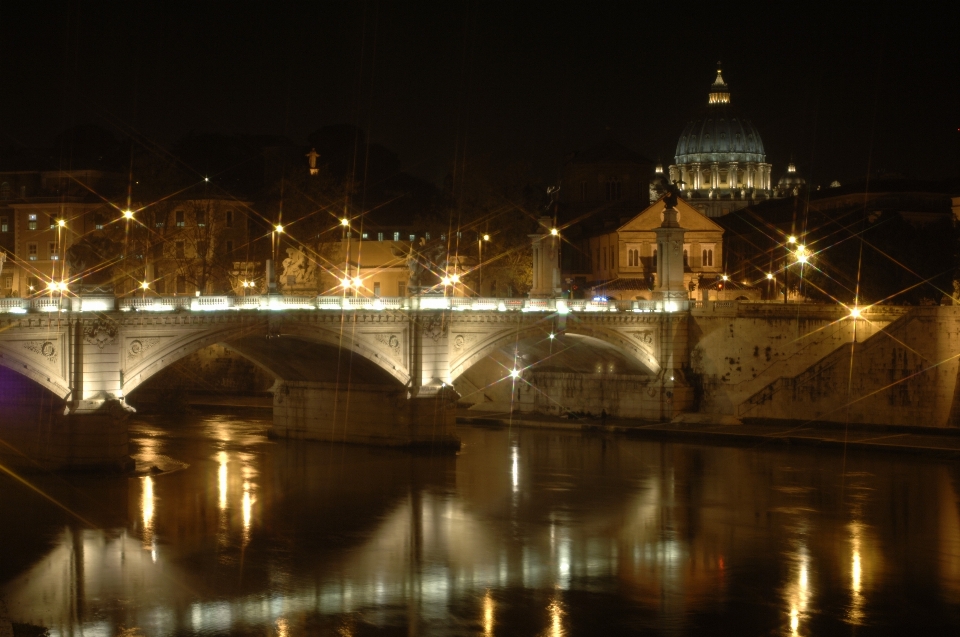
(480, 241)
(128, 214)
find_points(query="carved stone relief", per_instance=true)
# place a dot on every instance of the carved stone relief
(100, 332)
(46, 349)
(138, 346)
(389, 342)
(434, 326)
(644, 336)
(461, 341)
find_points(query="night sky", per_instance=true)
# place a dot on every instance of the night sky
(861, 87)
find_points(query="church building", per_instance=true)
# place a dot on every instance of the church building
(720, 158)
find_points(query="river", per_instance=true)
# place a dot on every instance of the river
(524, 532)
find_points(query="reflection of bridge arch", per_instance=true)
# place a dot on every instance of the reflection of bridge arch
(146, 351)
(641, 343)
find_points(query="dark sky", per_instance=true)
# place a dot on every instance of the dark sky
(859, 86)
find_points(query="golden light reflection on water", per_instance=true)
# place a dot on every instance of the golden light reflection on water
(283, 628)
(222, 475)
(855, 614)
(488, 608)
(556, 619)
(146, 508)
(247, 507)
(797, 593)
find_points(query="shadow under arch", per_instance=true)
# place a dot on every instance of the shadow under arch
(40, 376)
(352, 348)
(646, 356)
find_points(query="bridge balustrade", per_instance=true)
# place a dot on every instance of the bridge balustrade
(157, 303)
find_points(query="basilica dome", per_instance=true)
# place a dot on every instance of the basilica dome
(720, 156)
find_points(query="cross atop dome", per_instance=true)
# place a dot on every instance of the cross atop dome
(719, 93)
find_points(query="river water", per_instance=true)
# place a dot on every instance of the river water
(525, 532)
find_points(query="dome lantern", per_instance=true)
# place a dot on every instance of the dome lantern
(719, 92)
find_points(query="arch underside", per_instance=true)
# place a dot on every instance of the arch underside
(297, 353)
(57, 385)
(642, 354)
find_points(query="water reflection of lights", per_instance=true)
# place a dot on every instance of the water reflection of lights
(222, 474)
(855, 615)
(146, 506)
(556, 618)
(488, 607)
(283, 628)
(798, 594)
(247, 505)
(515, 471)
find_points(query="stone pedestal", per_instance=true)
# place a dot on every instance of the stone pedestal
(364, 414)
(546, 261)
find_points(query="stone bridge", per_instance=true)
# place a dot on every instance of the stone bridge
(350, 369)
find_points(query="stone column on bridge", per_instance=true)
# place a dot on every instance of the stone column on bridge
(546, 261)
(676, 395)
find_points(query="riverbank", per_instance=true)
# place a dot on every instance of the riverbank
(688, 428)
(727, 431)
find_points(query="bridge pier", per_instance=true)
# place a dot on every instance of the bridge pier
(364, 414)
(41, 431)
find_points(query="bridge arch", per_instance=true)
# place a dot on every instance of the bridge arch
(640, 345)
(41, 360)
(147, 352)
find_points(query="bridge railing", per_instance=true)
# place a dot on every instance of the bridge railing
(206, 303)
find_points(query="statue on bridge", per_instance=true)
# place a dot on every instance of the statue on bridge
(670, 191)
(420, 258)
(87, 260)
(299, 272)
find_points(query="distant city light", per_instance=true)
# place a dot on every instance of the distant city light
(278, 228)
(61, 222)
(486, 237)
(344, 222)
(144, 285)
(455, 278)
(346, 282)
(357, 282)
(552, 336)
(725, 277)
(855, 312)
(515, 373)
(770, 276)
(791, 239)
(554, 231)
(128, 214)
(445, 280)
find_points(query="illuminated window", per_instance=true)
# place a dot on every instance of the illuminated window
(179, 217)
(426, 236)
(379, 236)
(52, 250)
(98, 221)
(396, 236)
(201, 218)
(413, 237)
(53, 220)
(365, 236)
(4, 224)
(32, 251)
(32, 222)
